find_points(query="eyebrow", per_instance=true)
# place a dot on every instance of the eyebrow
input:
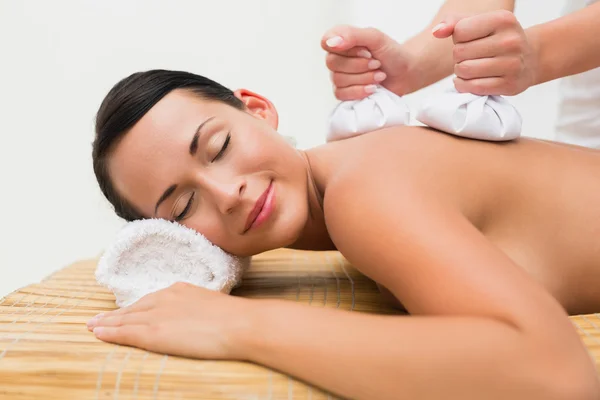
(194, 142)
(193, 150)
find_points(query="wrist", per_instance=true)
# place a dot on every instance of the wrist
(537, 63)
(430, 59)
(416, 71)
(242, 329)
(248, 329)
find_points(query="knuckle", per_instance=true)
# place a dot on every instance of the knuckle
(377, 36)
(463, 30)
(157, 331)
(330, 60)
(458, 52)
(462, 70)
(514, 65)
(511, 42)
(460, 29)
(337, 79)
(506, 18)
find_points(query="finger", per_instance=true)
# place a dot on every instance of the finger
(350, 65)
(354, 52)
(356, 92)
(119, 320)
(486, 68)
(341, 80)
(483, 86)
(487, 47)
(446, 27)
(145, 303)
(128, 335)
(92, 321)
(482, 25)
(345, 37)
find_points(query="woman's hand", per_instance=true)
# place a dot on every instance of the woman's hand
(361, 58)
(492, 53)
(182, 319)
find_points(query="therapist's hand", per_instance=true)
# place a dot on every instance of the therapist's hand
(492, 53)
(361, 58)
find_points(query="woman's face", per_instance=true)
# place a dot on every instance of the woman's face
(223, 172)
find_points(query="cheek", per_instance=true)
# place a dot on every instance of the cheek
(261, 149)
(210, 226)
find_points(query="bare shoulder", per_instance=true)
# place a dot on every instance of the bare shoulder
(390, 169)
(374, 186)
(394, 215)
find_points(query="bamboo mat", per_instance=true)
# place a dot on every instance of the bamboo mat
(46, 351)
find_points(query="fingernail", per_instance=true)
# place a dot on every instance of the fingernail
(374, 64)
(364, 53)
(370, 88)
(334, 41)
(98, 330)
(438, 27)
(379, 76)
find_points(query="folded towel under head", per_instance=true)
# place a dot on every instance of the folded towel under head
(152, 254)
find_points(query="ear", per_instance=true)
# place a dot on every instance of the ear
(259, 106)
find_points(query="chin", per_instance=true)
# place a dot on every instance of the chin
(290, 227)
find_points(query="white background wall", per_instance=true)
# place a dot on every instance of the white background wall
(59, 58)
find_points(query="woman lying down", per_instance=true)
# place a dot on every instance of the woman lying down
(488, 246)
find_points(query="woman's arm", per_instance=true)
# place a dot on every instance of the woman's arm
(481, 328)
(567, 45)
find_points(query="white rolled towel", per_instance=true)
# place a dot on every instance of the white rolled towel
(355, 117)
(477, 117)
(152, 254)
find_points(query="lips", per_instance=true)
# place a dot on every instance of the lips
(258, 207)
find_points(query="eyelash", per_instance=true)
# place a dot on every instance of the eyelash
(225, 145)
(217, 157)
(186, 209)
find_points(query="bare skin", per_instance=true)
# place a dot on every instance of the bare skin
(534, 200)
(486, 245)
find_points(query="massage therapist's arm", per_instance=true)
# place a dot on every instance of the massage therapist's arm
(567, 45)
(433, 57)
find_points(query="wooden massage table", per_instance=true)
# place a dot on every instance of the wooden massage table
(46, 351)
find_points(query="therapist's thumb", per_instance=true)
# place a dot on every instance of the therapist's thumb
(446, 27)
(346, 37)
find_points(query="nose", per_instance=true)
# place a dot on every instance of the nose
(227, 194)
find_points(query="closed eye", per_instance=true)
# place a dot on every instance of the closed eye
(222, 151)
(183, 214)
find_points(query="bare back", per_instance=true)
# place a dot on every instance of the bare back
(537, 201)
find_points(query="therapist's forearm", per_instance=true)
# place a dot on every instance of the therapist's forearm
(433, 57)
(567, 45)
